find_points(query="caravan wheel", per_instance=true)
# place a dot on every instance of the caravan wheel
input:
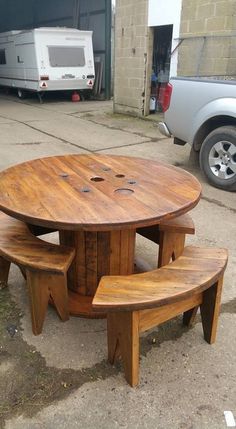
(21, 93)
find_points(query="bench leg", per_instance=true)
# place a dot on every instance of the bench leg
(189, 316)
(4, 272)
(210, 309)
(41, 287)
(59, 295)
(171, 246)
(123, 339)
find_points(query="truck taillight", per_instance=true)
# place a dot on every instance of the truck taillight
(167, 97)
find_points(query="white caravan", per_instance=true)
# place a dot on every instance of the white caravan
(47, 59)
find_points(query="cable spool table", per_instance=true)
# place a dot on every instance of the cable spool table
(96, 202)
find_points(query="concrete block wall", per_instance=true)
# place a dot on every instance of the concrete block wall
(133, 57)
(208, 48)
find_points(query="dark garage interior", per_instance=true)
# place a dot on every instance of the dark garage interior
(94, 15)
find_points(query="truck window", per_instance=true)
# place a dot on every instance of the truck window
(2, 56)
(66, 56)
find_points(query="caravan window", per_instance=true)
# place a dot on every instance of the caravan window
(66, 56)
(2, 56)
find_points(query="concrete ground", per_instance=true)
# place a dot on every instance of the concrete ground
(61, 379)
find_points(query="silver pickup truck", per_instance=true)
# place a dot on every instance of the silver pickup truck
(202, 112)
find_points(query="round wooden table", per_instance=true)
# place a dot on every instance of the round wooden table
(96, 202)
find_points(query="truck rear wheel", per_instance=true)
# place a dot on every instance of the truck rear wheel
(21, 94)
(218, 157)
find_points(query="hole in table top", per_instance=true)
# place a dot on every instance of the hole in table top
(124, 191)
(97, 179)
(85, 190)
(106, 168)
(120, 176)
(132, 182)
(64, 175)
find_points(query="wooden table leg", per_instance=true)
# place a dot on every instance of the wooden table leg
(97, 254)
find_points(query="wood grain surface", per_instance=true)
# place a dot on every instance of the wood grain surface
(189, 274)
(139, 302)
(19, 245)
(96, 192)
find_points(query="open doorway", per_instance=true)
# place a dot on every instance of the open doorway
(160, 64)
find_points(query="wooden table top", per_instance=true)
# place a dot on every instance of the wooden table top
(96, 192)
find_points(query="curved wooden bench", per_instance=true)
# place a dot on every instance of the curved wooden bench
(138, 302)
(45, 264)
(170, 235)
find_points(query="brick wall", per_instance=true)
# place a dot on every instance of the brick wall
(209, 47)
(133, 57)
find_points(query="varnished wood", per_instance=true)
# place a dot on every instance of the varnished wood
(189, 316)
(19, 245)
(194, 270)
(81, 305)
(44, 264)
(97, 254)
(41, 287)
(96, 202)
(134, 192)
(4, 272)
(210, 309)
(138, 302)
(153, 317)
(182, 224)
(171, 246)
(170, 235)
(123, 338)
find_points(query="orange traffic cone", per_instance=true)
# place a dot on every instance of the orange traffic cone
(75, 96)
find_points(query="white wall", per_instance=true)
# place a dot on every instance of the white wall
(167, 12)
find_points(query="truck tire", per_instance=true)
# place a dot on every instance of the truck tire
(218, 157)
(21, 94)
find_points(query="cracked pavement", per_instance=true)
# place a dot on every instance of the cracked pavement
(61, 379)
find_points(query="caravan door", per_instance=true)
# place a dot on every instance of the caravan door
(26, 65)
(20, 78)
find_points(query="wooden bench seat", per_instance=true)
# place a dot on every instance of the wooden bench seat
(45, 264)
(138, 302)
(170, 235)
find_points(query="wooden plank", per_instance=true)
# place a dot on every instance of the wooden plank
(80, 280)
(103, 254)
(115, 237)
(175, 282)
(171, 246)
(67, 238)
(96, 192)
(39, 293)
(131, 251)
(91, 263)
(182, 224)
(210, 309)
(153, 317)
(20, 246)
(41, 287)
(124, 252)
(189, 316)
(59, 294)
(125, 326)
